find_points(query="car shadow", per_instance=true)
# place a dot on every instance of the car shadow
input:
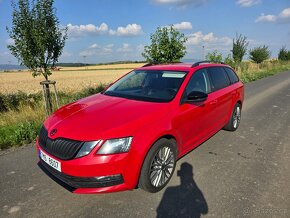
(185, 200)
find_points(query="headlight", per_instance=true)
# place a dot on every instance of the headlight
(87, 148)
(113, 146)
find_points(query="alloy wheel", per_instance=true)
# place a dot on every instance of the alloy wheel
(237, 117)
(162, 166)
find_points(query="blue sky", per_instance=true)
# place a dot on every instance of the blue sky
(112, 30)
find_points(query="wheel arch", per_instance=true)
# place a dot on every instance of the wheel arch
(165, 136)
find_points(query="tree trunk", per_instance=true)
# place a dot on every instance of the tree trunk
(48, 99)
(47, 95)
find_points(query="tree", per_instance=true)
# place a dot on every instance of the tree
(240, 45)
(260, 54)
(38, 39)
(167, 46)
(284, 54)
(214, 56)
(230, 61)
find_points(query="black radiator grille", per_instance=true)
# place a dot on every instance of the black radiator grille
(61, 148)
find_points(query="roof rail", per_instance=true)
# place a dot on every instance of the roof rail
(149, 64)
(205, 62)
(155, 63)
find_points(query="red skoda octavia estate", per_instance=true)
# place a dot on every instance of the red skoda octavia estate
(132, 134)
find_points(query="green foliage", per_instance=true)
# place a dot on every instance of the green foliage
(19, 133)
(230, 61)
(14, 101)
(240, 45)
(214, 56)
(260, 54)
(284, 54)
(38, 39)
(26, 132)
(167, 46)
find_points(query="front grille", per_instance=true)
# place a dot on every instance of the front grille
(64, 149)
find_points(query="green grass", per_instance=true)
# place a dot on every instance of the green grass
(19, 133)
(250, 72)
(21, 116)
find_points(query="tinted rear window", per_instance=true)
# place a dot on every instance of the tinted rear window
(232, 75)
(219, 78)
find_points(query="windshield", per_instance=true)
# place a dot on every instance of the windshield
(155, 86)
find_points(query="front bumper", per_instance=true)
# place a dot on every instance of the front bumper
(83, 182)
(93, 173)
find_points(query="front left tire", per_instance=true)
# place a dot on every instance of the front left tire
(158, 166)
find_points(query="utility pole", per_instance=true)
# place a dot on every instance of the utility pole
(203, 52)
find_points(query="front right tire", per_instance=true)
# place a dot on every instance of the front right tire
(158, 166)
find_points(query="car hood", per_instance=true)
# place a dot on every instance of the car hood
(101, 117)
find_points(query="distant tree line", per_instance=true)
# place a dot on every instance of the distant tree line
(240, 48)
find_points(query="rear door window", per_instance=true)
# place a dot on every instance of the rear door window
(219, 78)
(232, 75)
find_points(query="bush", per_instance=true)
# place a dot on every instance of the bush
(230, 61)
(25, 132)
(19, 134)
(15, 100)
(260, 54)
(284, 55)
(240, 45)
(215, 56)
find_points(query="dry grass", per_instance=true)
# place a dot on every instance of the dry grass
(26, 114)
(68, 78)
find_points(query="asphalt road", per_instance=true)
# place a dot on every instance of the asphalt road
(245, 173)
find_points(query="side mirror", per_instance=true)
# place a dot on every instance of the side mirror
(196, 96)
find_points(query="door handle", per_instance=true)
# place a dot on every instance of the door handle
(213, 102)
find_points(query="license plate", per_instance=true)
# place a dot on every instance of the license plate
(50, 161)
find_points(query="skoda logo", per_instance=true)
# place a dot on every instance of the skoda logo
(52, 132)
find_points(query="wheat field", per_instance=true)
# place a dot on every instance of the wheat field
(68, 79)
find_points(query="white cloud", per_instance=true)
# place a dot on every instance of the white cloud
(10, 41)
(183, 26)
(129, 30)
(76, 31)
(199, 44)
(81, 30)
(181, 3)
(97, 50)
(93, 46)
(66, 54)
(140, 48)
(282, 17)
(248, 3)
(285, 14)
(125, 48)
(198, 38)
(266, 18)
(2, 54)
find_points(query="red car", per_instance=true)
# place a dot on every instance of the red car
(132, 134)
